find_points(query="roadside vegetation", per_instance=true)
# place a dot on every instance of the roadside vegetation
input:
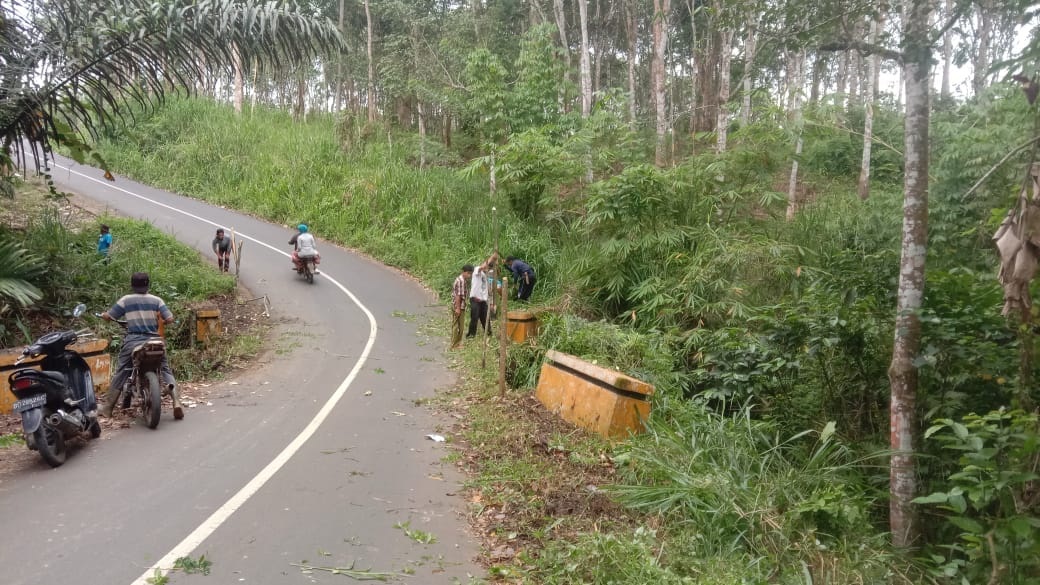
(53, 244)
(768, 340)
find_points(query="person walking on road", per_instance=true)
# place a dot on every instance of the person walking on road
(478, 296)
(523, 275)
(458, 304)
(223, 247)
(142, 312)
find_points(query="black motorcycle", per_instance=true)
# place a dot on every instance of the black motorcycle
(56, 402)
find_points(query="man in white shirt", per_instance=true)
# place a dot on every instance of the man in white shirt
(478, 296)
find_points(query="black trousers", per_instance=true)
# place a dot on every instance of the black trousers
(524, 291)
(478, 311)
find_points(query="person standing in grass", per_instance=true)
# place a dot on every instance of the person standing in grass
(458, 304)
(478, 296)
(223, 247)
(104, 243)
(523, 275)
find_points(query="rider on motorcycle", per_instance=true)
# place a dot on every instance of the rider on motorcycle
(142, 312)
(306, 247)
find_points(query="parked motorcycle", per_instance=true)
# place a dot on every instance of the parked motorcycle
(144, 386)
(57, 402)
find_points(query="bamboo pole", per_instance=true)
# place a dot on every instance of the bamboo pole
(503, 338)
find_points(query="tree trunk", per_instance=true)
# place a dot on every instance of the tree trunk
(371, 67)
(338, 100)
(749, 61)
(902, 373)
(446, 129)
(843, 80)
(584, 64)
(818, 70)
(236, 61)
(561, 25)
(863, 188)
(630, 34)
(722, 125)
(855, 65)
(662, 11)
(947, 54)
(796, 114)
(693, 68)
(300, 106)
(981, 63)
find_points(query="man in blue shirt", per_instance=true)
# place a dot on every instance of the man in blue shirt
(523, 275)
(142, 312)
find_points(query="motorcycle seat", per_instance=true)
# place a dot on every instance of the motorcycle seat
(55, 376)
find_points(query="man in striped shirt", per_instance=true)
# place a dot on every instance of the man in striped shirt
(142, 312)
(458, 304)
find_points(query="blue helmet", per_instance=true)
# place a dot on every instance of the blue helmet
(302, 227)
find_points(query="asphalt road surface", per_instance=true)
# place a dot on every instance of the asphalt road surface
(317, 456)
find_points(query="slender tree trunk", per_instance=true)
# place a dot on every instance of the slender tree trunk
(796, 114)
(902, 373)
(561, 25)
(446, 129)
(722, 125)
(584, 64)
(982, 56)
(630, 34)
(662, 12)
(750, 44)
(371, 66)
(947, 54)
(236, 61)
(300, 107)
(855, 65)
(843, 80)
(693, 69)
(863, 188)
(338, 100)
(818, 70)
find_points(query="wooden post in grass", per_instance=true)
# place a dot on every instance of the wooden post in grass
(236, 252)
(503, 339)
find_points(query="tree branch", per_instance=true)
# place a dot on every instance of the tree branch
(862, 47)
(994, 168)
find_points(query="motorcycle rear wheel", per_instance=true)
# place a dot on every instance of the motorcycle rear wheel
(308, 271)
(51, 445)
(151, 405)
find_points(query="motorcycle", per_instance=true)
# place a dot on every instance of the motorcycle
(56, 402)
(307, 266)
(143, 387)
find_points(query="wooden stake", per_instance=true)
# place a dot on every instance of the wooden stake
(503, 338)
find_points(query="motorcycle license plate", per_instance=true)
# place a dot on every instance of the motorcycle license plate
(30, 403)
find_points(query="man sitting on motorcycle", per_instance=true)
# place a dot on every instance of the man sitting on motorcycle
(306, 247)
(142, 312)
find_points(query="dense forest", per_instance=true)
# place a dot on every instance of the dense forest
(782, 214)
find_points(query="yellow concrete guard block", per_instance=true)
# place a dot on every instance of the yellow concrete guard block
(207, 324)
(594, 398)
(521, 325)
(93, 352)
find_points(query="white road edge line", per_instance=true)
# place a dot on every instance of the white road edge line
(221, 514)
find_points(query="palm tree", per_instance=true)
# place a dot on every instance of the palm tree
(70, 69)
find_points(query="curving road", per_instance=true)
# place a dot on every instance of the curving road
(317, 456)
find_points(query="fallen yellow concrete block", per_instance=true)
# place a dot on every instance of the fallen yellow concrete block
(592, 397)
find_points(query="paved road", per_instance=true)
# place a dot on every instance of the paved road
(317, 455)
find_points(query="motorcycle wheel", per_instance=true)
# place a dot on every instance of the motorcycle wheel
(51, 445)
(151, 406)
(308, 272)
(95, 429)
